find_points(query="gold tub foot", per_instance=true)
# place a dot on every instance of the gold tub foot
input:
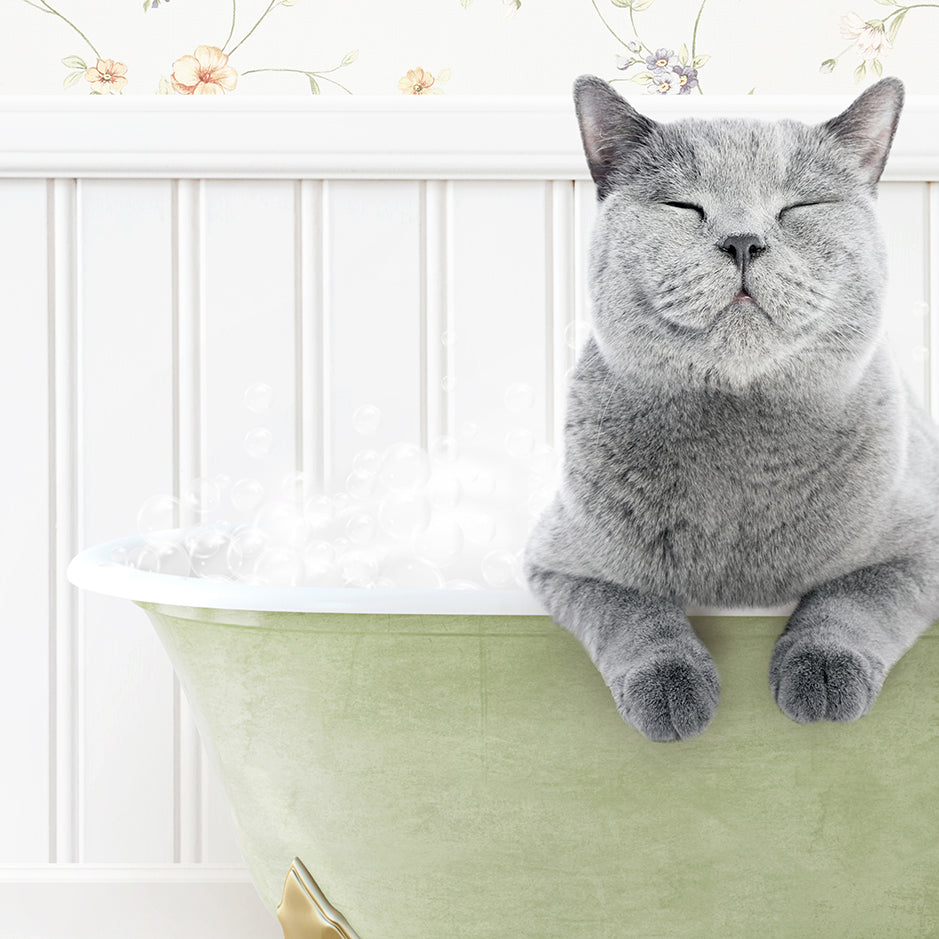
(304, 912)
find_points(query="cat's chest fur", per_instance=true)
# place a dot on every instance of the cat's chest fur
(726, 499)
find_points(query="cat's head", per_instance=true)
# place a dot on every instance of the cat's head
(726, 250)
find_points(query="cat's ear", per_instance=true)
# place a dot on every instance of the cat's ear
(609, 128)
(867, 127)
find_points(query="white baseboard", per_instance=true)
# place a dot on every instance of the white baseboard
(154, 902)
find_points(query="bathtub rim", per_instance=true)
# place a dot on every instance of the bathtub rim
(93, 569)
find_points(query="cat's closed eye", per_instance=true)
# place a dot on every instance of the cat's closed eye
(801, 205)
(688, 206)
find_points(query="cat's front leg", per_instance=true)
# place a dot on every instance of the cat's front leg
(843, 638)
(662, 678)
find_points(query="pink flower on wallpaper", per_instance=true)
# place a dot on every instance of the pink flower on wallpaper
(870, 40)
(207, 72)
(418, 82)
(107, 77)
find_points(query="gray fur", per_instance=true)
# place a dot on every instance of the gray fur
(727, 452)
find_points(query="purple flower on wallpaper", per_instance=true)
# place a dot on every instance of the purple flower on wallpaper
(687, 78)
(624, 63)
(662, 59)
(663, 83)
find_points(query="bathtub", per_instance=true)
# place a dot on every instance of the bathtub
(450, 764)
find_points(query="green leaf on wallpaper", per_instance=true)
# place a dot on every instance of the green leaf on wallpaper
(74, 61)
(640, 5)
(289, 3)
(71, 79)
(350, 57)
(700, 60)
(895, 25)
(642, 78)
(624, 4)
(878, 67)
(314, 87)
(886, 3)
(683, 54)
(860, 72)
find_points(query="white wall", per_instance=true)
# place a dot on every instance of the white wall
(141, 296)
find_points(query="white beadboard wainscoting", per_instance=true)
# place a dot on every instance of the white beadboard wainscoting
(159, 256)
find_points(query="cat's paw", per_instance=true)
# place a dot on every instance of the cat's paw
(670, 695)
(815, 679)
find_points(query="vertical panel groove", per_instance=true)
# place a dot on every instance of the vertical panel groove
(448, 314)
(51, 542)
(65, 483)
(323, 371)
(552, 272)
(434, 309)
(562, 263)
(299, 330)
(310, 340)
(423, 276)
(188, 374)
(932, 296)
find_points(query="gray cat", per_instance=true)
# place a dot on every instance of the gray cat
(737, 433)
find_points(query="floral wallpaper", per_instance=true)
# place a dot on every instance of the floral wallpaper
(432, 47)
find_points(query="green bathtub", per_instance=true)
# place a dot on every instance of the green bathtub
(466, 774)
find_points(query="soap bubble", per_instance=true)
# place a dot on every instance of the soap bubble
(259, 442)
(258, 397)
(279, 565)
(410, 573)
(479, 527)
(358, 568)
(163, 557)
(319, 561)
(360, 487)
(576, 334)
(202, 495)
(208, 551)
(402, 516)
(366, 420)
(366, 463)
(244, 549)
(539, 500)
(440, 543)
(295, 486)
(246, 495)
(319, 511)
(361, 528)
(443, 489)
(444, 449)
(158, 513)
(478, 480)
(518, 397)
(499, 569)
(519, 442)
(285, 523)
(405, 468)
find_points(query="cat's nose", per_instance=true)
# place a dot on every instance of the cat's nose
(742, 248)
